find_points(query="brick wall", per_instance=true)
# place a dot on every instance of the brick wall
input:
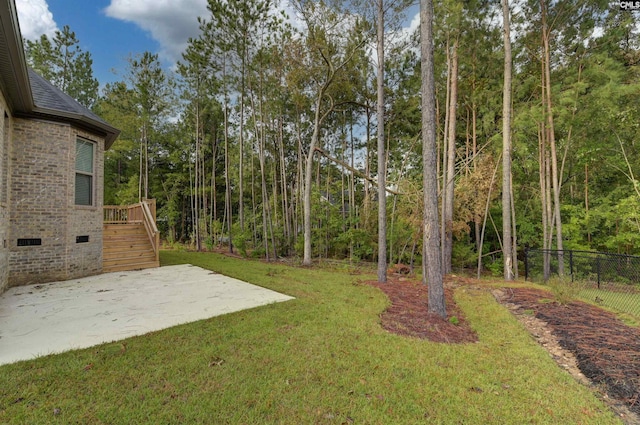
(42, 206)
(85, 259)
(5, 126)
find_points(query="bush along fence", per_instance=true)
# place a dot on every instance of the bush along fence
(611, 280)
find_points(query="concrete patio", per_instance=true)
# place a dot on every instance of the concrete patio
(54, 317)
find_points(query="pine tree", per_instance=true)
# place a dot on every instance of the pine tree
(431, 258)
(61, 61)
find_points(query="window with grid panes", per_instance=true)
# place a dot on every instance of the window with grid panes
(84, 172)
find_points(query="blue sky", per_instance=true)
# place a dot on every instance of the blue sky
(113, 30)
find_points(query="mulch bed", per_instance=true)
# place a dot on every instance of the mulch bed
(607, 350)
(408, 314)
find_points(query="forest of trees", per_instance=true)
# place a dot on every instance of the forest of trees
(279, 140)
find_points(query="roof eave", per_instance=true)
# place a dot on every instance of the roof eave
(22, 99)
(110, 133)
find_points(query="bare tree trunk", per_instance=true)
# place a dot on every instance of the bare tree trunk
(285, 188)
(444, 149)
(546, 163)
(241, 143)
(343, 208)
(260, 134)
(254, 203)
(214, 190)
(352, 191)
(546, 219)
(227, 180)
(298, 194)
(146, 162)
(551, 137)
(382, 169)
(507, 246)
(143, 180)
(514, 234)
(451, 164)
(484, 220)
(196, 185)
(431, 258)
(308, 178)
(586, 201)
(476, 218)
(367, 168)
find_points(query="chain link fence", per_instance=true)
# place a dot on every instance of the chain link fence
(610, 280)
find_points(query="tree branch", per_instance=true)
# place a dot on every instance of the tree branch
(354, 170)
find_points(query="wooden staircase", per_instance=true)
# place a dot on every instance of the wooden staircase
(130, 241)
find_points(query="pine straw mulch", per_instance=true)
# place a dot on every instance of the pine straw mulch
(607, 350)
(407, 315)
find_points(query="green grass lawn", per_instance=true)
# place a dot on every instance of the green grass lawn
(321, 358)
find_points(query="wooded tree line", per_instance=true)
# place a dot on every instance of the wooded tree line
(270, 131)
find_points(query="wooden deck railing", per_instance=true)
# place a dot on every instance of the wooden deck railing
(143, 212)
(149, 220)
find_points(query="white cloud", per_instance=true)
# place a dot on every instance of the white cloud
(414, 25)
(170, 22)
(35, 19)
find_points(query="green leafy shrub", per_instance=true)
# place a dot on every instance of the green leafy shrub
(563, 289)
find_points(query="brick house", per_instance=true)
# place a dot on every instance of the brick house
(51, 173)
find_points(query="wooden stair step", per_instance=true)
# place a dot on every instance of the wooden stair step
(130, 260)
(113, 255)
(127, 241)
(129, 267)
(126, 247)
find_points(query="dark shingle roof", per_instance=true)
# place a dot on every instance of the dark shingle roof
(50, 100)
(48, 96)
(28, 94)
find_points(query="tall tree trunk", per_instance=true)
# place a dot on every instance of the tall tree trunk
(213, 188)
(227, 179)
(382, 169)
(451, 165)
(141, 170)
(254, 203)
(308, 178)
(284, 187)
(484, 218)
(586, 202)
(352, 191)
(258, 117)
(507, 246)
(551, 136)
(241, 145)
(298, 196)
(196, 184)
(431, 258)
(474, 149)
(443, 150)
(514, 234)
(367, 171)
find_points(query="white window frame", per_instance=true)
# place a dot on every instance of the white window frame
(85, 172)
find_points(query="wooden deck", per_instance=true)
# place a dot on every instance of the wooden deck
(130, 238)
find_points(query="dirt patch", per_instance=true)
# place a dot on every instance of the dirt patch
(603, 349)
(408, 314)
